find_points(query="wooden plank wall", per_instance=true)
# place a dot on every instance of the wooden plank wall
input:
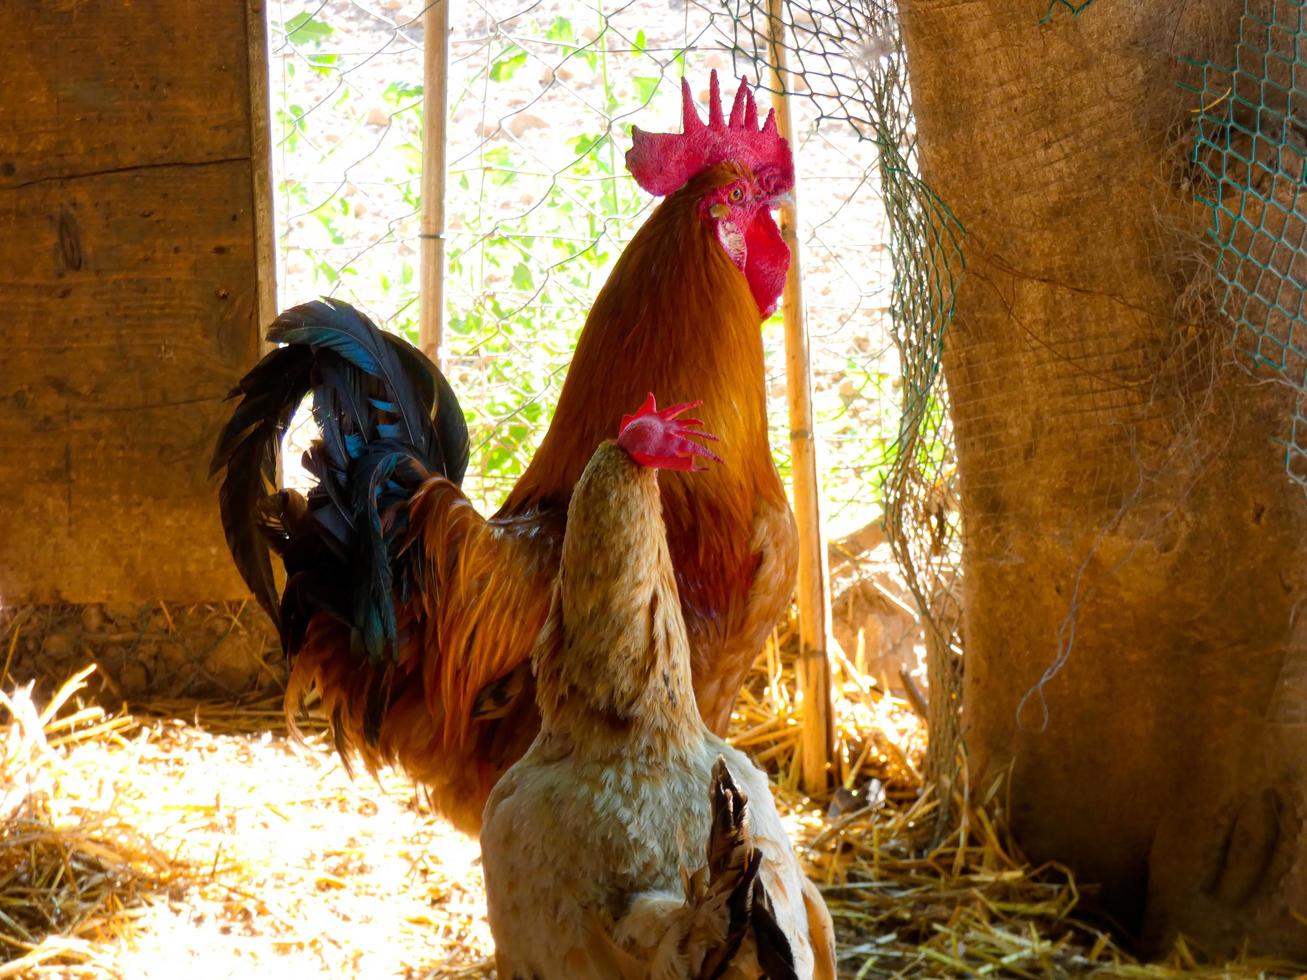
(129, 289)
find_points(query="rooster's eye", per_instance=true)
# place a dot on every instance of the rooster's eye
(736, 195)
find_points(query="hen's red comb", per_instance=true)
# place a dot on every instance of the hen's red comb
(659, 440)
(663, 162)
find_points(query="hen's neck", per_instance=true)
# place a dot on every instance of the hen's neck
(676, 317)
(613, 663)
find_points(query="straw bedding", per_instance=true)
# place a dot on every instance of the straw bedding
(197, 839)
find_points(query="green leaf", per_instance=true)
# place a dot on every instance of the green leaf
(466, 325)
(327, 271)
(496, 458)
(397, 92)
(304, 29)
(561, 30)
(644, 87)
(504, 68)
(522, 278)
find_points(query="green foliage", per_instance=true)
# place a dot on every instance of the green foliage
(506, 65)
(305, 29)
(327, 218)
(521, 282)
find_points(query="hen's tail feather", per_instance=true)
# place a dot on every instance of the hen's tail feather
(771, 945)
(734, 863)
(728, 838)
(388, 420)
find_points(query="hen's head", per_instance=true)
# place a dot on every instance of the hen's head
(660, 440)
(754, 166)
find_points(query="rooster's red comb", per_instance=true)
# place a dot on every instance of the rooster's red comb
(663, 162)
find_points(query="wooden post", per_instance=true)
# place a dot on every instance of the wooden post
(814, 666)
(102, 166)
(265, 231)
(435, 110)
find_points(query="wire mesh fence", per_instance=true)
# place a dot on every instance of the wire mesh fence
(1251, 143)
(539, 206)
(846, 61)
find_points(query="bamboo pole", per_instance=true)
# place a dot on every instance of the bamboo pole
(435, 81)
(814, 665)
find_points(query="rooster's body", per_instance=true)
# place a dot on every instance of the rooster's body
(585, 839)
(423, 661)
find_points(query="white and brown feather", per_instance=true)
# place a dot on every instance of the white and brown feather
(585, 840)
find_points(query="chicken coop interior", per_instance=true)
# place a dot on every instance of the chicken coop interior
(337, 517)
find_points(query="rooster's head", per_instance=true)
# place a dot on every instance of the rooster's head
(754, 169)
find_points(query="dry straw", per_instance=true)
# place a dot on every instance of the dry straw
(70, 877)
(199, 840)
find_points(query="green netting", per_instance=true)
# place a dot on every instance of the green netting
(920, 494)
(1055, 5)
(847, 57)
(1251, 142)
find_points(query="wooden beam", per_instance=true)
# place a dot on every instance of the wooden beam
(814, 666)
(128, 271)
(435, 111)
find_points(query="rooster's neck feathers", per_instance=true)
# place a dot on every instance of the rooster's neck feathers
(673, 289)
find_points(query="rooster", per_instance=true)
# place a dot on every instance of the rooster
(585, 837)
(411, 615)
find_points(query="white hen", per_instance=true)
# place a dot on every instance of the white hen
(586, 839)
